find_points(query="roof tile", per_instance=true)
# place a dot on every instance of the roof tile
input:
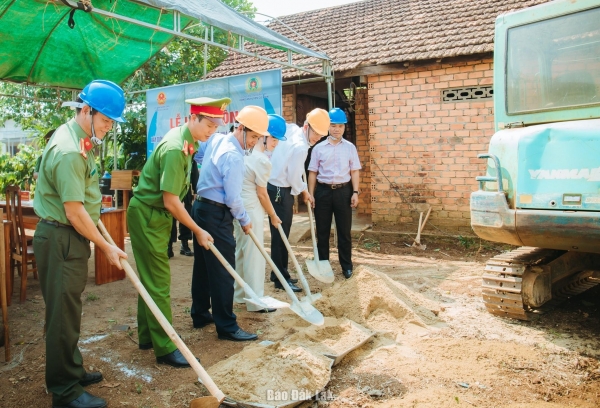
(373, 32)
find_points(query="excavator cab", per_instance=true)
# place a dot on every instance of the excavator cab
(541, 190)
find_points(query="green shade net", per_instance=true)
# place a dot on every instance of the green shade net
(37, 45)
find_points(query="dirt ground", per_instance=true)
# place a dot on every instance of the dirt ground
(446, 351)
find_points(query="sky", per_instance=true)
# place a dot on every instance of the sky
(277, 8)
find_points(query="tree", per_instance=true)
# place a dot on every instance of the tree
(180, 61)
(183, 60)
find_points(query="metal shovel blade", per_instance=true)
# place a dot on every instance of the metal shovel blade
(308, 312)
(267, 302)
(205, 402)
(320, 270)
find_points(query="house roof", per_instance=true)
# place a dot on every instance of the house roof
(376, 32)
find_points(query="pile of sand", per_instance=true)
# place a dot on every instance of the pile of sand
(370, 299)
(377, 302)
(257, 371)
(335, 339)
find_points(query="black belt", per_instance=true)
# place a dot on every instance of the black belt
(335, 186)
(274, 188)
(57, 224)
(206, 200)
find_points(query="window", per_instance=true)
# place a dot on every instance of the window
(554, 64)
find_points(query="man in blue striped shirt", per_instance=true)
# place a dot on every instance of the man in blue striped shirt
(218, 203)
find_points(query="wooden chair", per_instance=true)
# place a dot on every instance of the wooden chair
(21, 253)
(3, 293)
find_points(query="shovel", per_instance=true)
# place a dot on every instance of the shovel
(264, 302)
(203, 377)
(312, 298)
(320, 270)
(417, 243)
(302, 308)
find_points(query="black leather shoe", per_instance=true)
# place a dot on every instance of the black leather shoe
(185, 249)
(149, 345)
(347, 273)
(239, 335)
(174, 359)
(199, 325)
(266, 310)
(170, 252)
(90, 378)
(273, 278)
(294, 288)
(85, 400)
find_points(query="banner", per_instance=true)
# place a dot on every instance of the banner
(166, 107)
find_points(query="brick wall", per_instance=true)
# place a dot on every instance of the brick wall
(427, 148)
(361, 119)
(288, 108)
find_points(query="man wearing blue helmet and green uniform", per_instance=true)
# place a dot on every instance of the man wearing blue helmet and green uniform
(333, 181)
(68, 202)
(249, 262)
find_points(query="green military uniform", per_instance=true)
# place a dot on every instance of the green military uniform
(167, 169)
(62, 254)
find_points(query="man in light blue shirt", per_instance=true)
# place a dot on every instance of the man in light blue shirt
(218, 203)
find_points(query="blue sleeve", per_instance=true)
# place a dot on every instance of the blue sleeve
(231, 167)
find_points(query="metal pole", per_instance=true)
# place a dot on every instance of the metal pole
(205, 52)
(211, 42)
(116, 193)
(299, 81)
(328, 71)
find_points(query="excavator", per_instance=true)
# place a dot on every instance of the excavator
(541, 190)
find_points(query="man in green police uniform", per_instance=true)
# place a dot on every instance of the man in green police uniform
(68, 202)
(163, 183)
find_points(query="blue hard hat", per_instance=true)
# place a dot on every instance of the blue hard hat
(277, 127)
(105, 97)
(337, 117)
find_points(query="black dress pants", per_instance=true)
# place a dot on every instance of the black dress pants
(212, 285)
(334, 202)
(284, 208)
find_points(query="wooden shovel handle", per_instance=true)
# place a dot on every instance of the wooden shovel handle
(418, 238)
(312, 232)
(426, 218)
(296, 264)
(226, 264)
(164, 323)
(312, 225)
(283, 282)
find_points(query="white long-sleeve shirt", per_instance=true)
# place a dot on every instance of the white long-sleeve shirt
(288, 160)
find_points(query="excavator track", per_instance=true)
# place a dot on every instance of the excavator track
(503, 277)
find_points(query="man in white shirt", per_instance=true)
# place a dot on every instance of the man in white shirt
(286, 181)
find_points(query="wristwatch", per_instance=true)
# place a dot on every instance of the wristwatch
(356, 192)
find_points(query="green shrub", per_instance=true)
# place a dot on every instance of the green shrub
(18, 169)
